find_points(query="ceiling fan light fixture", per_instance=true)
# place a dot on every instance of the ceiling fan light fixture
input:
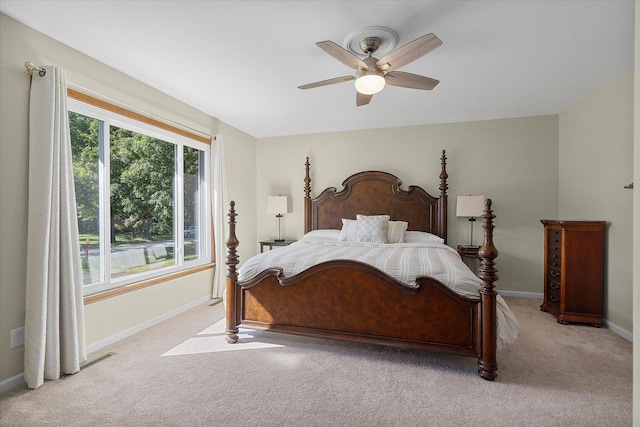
(369, 84)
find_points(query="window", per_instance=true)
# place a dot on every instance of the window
(141, 195)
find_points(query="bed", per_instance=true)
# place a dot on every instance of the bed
(334, 294)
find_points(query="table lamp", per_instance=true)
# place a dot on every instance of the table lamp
(471, 207)
(278, 205)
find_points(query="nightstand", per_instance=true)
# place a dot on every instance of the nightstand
(271, 243)
(469, 255)
(468, 252)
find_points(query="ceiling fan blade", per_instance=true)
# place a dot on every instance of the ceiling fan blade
(362, 99)
(342, 55)
(409, 52)
(412, 81)
(327, 82)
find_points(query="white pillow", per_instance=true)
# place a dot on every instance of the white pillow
(348, 231)
(326, 233)
(372, 228)
(420, 237)
(395, 233)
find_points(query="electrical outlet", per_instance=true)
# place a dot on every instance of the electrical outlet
(17, 337)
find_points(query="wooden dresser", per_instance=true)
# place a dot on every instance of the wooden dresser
(574, 271)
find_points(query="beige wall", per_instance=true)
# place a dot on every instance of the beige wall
(240, 154)
(114, 316)
(512, 161)
(596, 162)
(124, 314)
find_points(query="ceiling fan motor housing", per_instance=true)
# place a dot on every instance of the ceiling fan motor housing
(370, 45)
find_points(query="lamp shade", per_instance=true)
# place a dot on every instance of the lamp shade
(277, 204)
(470, 206)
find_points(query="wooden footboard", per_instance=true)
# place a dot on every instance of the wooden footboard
(353, 301)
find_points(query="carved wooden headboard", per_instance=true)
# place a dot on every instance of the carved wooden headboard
(377, 193)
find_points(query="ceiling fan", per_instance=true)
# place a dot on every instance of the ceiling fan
(372, 73)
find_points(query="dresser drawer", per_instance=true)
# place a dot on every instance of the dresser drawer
(554, 262)
(554, 244)
(555, 274)
(555, 235)
(553, 297)
(555, 257)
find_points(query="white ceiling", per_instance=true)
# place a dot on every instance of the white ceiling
(241, 61)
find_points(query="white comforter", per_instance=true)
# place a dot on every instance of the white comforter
(403, 261)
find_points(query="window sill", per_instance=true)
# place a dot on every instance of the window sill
(144, 284)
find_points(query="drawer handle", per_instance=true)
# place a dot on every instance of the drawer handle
(554, 286)
(554, 298)
(554, 264)
(554, 274)
(554, 256)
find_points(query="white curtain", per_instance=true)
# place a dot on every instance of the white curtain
(54, 316)
(219, 206)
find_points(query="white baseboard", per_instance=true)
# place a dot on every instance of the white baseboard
(9, 383)
(144, 325)
(618, 330)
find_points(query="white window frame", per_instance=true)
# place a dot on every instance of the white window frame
(110, 118)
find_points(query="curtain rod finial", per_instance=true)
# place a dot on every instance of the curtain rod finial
(31, 68)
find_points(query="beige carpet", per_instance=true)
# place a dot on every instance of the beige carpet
(181, 373)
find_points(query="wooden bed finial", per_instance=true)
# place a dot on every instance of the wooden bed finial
(488, 251)
(307, 180)
(307, 198)
(443, 174)
(443, 201)
(232, 277)
(232, 243)
(487, 363)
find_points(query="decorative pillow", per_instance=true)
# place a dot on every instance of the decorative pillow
(395, 233)
(348, 231)
(372, 228)
(421, 236)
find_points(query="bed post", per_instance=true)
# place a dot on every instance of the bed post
(487, 363)
(232, 277)
(443, 198)
(307, 198)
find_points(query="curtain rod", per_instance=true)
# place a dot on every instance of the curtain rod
(31, 67)
(133, 108)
